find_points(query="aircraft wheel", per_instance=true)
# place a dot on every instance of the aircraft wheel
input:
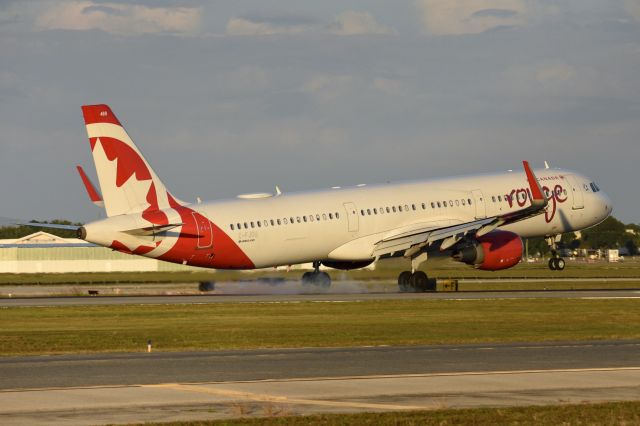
(323, 280)
(419, 281)
(404, 282)
(552, 264)
(560, 264)
(307, 278)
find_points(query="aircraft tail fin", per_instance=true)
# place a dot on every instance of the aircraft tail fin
(127, 181)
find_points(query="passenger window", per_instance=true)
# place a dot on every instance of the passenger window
(393, 208)
(245, 225)
(413, 207)
(337, 216)
(272, 224)
(444, 204)
(252, 225)
(424, 206)
(298, 219)
(469, 201)
(457, 203)
(291, 221)
(311, 217)
(279, 223)
(375, 211)
(388, 210)
(362, 212)
(433, 205)
(324, 216)
(381, 210)
(493, 198)
(286, 222)
(463, 203)
(239, 226)
(318, 217)
(304, 218)
(406, 207)
(259, 224)
(232, 226)
(330, 215)
(369, 212)
(439, 205)
(451, 203)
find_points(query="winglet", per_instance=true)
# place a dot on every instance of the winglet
(536, 191)
(94, 196)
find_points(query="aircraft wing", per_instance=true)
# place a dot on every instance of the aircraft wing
(412, 242)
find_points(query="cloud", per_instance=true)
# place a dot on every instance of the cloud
(470, 16)
(351, 23)
(119, 18)
(346, 23)
(257, 24)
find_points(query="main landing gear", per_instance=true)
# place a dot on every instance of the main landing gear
(415, 281)
(556, 263)
(316, 278)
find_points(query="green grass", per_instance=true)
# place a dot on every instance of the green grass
(53, 330)
(614, 413)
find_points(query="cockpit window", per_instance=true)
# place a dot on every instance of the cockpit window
(594, 187)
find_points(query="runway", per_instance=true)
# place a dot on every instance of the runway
(197, 385)
(315, 297)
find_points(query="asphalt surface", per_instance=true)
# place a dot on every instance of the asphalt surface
(349, 297)
(223, 366)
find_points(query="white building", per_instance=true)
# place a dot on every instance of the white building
(45, 253)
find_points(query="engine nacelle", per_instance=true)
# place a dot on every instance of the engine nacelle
(346, 265)
(492, 252)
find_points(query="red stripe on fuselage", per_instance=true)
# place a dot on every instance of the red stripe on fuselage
(224, 254)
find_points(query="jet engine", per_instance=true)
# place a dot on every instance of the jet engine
(491, 252)
(346, 265)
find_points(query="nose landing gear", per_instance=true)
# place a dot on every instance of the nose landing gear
(316, 278)
(556, 263)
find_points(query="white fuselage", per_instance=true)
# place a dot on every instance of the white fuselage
(343, 224)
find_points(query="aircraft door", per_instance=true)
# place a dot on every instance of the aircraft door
(478, 200)
(352, 216)
(576, 192)
(205, 233)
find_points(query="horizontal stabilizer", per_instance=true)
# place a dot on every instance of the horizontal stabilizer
(94, 196)
(46, 225)
(152, 230)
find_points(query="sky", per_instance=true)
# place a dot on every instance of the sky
(232, 97)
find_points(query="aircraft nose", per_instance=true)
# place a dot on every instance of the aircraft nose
(606, 204)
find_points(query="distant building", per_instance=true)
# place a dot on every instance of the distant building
(45, 253)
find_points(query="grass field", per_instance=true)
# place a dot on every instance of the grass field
(385, 270)
(53, 330)
(614, 413)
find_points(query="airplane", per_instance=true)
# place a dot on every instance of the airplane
(479, 220)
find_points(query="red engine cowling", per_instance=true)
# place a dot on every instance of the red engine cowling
(492, 252)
